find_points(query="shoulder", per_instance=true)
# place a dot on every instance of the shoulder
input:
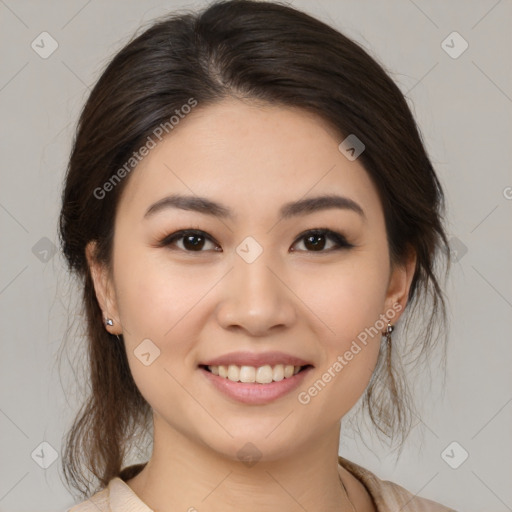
(389, 496)
(99, 502)
(116, 497)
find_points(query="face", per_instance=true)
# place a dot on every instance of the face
(252, 283)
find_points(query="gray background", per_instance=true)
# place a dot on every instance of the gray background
(463, 106)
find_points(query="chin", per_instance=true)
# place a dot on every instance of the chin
(255, 445)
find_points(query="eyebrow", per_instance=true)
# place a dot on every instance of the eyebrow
(288, 210)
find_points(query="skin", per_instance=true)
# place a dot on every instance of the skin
(198, 305)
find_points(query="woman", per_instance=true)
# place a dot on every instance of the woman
(251, 210)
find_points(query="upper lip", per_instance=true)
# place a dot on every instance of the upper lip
(256, 359)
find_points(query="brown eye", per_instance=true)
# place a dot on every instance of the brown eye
(315, 242)
(317, 239)
(192, 241)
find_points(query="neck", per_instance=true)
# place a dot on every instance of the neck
(188, 476)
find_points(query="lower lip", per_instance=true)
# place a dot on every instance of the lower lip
(254, 393)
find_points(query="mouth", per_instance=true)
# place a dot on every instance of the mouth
(264, 374)
(255, 379)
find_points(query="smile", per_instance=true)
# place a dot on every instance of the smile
(252, 392)
(251, 374)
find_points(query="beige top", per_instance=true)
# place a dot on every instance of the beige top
(118, 496)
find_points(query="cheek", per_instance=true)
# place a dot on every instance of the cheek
(349, 302)
(354, 317)
(154, 296)
(154, 303)
(159, 305)
(347, 298)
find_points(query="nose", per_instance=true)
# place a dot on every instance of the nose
(256, 298)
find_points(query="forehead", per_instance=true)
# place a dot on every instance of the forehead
(250, 156)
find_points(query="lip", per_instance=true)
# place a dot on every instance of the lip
(255, 393)
(256, 359)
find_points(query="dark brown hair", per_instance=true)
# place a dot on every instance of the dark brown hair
(273, 54)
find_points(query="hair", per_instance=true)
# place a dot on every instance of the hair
(269, 53)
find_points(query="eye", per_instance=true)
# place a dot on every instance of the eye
(314, 240)
(193, 240)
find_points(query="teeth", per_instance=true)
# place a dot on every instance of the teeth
(278, 372)
(247, 374)
(262, 374)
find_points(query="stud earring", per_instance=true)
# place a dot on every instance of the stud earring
(110, 322)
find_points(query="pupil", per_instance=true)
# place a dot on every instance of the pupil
(188, 238)
(316, 245)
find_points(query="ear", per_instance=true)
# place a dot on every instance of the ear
(104, 289)
(399, 284)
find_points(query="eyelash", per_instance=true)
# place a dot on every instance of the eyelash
(338, 238)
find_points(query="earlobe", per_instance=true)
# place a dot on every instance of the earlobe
(105, 294)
